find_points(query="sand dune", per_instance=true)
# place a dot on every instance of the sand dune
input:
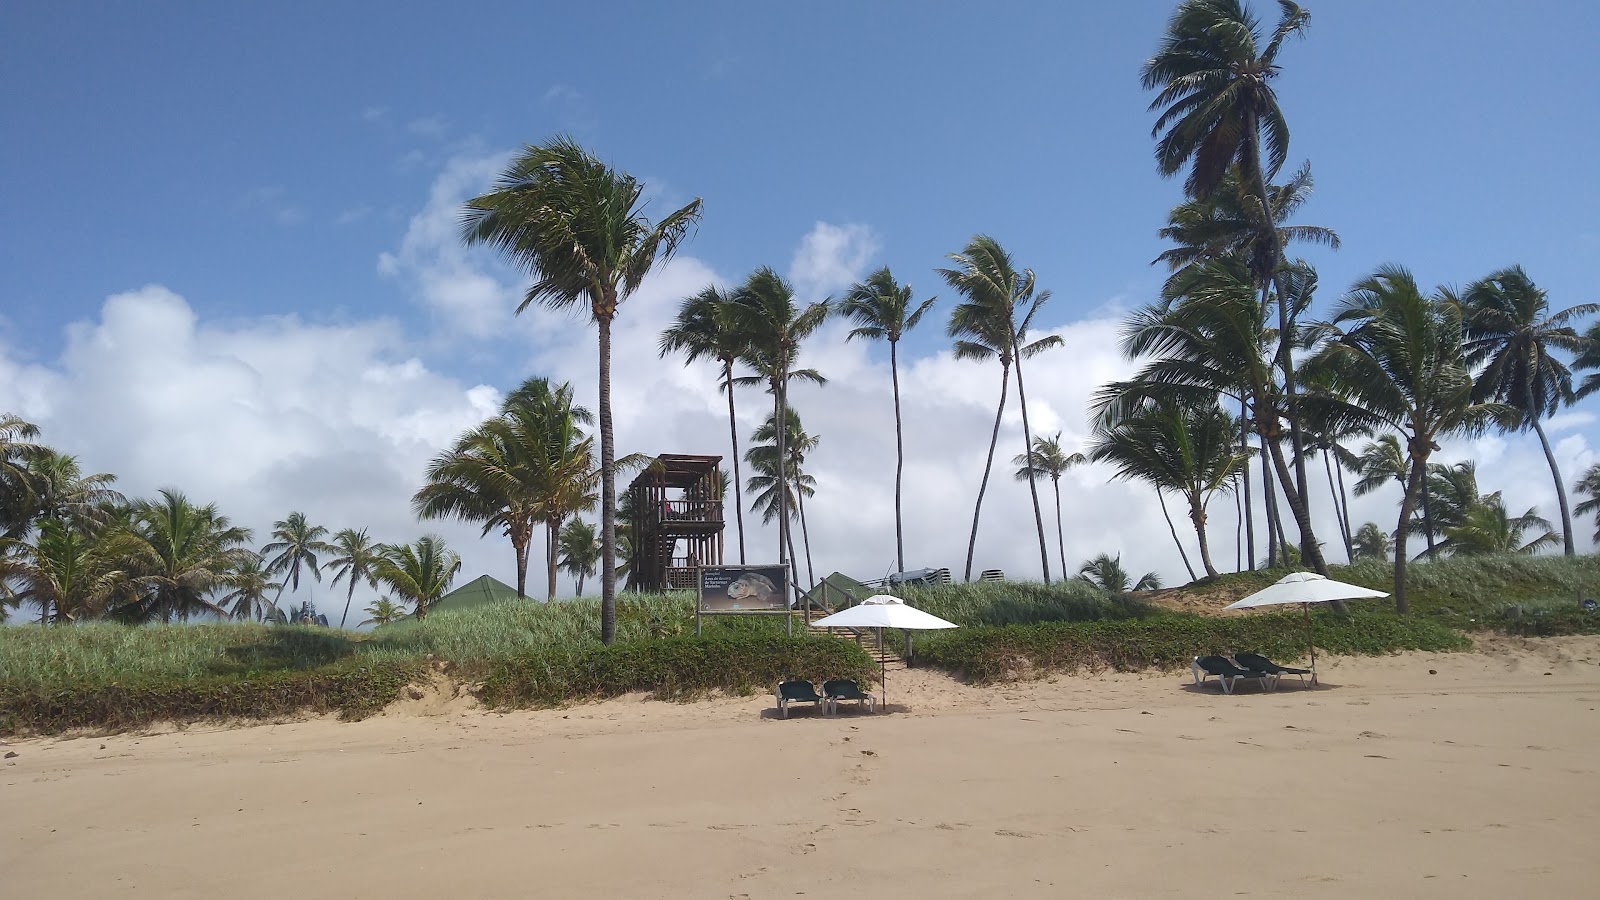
(1480, 780)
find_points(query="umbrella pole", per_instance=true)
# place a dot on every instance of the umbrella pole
(1310, 642)
(883, 668)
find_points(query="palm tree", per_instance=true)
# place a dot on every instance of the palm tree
(580, 551)
(60, 490)
(762, 455)
(247, 586)
(1488, 529)
(1188, 449)
(1047, 458)
(16, 486)
(355, 555)
(1589, 486)
(1106, 573)
(986, 326)
(383, 611)
(705, 328)
(1371, 542)
(62, 569)
(296, 543)
(773, 327)
(578, 226)
(1220, 113)
(1402, 363)
(1451, 492)
(1382, 461)
(1510, 332)
(175, 555)
(418, 573)
(882, 310)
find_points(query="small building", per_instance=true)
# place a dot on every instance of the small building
(676, 507)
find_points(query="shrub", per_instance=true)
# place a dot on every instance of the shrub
(1021, 602)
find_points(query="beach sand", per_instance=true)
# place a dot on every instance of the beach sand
(1481, 780)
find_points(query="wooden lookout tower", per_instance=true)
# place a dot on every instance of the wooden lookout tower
(677, 521)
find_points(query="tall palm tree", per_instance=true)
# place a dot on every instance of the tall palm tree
(1219, 112)
(882, 310)
(1106, 573)
(1589, 486)
(580, 551)
(1371, 542)
(355, 556)
(383, 611)
(986, 325)
(16, 486)
(797, 444)
(1048, 459)
(578, 226)
(1187, 449)
(706, 328)
(176, 554)
(1511, 333)
(774, 327)
(1383, 460)
(62, 569)
(1487, 528)
(1401, 361)
(296, 542)
(419, 573)
(60, 490)
(247, 587)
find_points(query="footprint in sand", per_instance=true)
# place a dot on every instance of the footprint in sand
(1371, 734)
(1016, 834)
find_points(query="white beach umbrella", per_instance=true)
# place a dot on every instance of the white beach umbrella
(1305, 588)
(883, 611)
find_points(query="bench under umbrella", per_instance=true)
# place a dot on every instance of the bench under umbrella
(882, 611)
(1306, 588)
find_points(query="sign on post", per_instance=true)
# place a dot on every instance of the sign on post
(742, 590)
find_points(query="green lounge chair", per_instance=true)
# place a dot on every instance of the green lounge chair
(1255, 662)
(845, 689)
(798, 692)
(1226, 673)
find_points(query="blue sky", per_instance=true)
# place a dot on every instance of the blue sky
(259, 161)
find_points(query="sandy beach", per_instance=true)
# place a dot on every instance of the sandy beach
(1480, 780)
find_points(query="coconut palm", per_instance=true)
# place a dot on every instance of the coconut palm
(1048, 459)
(1106, 573)
(580, 551)
(60, 490)
(705, 328)
(1401, 361)
(176, 554)
(1511, 333)
(62, 569)
(383, 611)
(1451, 492)
(247, 587)
(355, 555)
(578, 226)
(1383, 460)
(1589, 486)
(418, 573)
(798, 444)
(774, 326)
(986, 325)
(296, 543)
(1488, 529)
(1184, 448)
(16, 487)
(882, 310)
(1219, 113)
(1371, 542)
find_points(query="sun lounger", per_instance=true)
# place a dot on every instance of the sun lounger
(798, 692)
(845, 689)
(1258, 663)
(1226, 673)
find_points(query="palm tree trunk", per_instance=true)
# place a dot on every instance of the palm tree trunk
(1310, 553)
(1344, 529)
(1197, 515)
(1408, 507)
(552, 530)
(805, 533)
(1269, 503)
(1175, 539)
(1344, 501)
(608, 484)
(581, 573)
(900, 462)
(994, 438)
(522, 568)
(1249, 511)
(733, 433)
(349, 595)
(1427, 514)
(1061, 540)
(1027, 450)
(1238, 532)
(1555, 470)
(780, 424)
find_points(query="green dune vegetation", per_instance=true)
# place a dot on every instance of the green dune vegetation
(163, 608)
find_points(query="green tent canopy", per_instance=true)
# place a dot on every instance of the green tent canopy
(835, 592)
(477, 592)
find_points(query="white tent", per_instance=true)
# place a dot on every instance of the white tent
(1305, 588)
(883, 611)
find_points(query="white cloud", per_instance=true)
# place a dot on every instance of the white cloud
(429, 126)
(374, 113)
(352, 215)
(831, 257)
(562, 93)
(270, 201)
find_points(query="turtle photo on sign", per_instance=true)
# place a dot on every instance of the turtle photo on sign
(743, 589)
